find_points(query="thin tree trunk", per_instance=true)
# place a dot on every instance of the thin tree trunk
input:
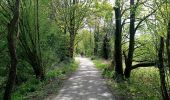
(72, 31)
(71, 49)
(105, 47)
(118, 47)
(37, 67)
(168, 44)
(12, 26)
(131, 42)
(40, 73)
(162, 71)
(96, 39)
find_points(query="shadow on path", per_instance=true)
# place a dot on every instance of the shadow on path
(85, 84)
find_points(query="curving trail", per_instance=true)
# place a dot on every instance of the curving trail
(85, 84)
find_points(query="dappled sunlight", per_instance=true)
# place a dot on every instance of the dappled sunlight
(85, 84)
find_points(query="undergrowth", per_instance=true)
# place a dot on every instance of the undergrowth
(143, 84)
(34, 89)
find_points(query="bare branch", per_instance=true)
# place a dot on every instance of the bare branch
(146, 64)
(143, 19)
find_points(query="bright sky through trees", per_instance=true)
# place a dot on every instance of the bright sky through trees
(111, 1)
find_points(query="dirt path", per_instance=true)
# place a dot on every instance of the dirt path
(85, 84)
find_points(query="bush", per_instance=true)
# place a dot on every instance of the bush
(143, 84)
(34, 88)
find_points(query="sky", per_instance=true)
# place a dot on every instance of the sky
(111, 1)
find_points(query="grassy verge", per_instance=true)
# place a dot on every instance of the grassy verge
(104, 66)
(100, 64)
(36, 90)
(143, 84)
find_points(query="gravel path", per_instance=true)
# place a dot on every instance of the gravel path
(85, 84)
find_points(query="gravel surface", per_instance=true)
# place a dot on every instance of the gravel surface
(85, 84)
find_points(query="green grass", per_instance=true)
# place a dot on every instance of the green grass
(100, 64)
(104, 66)
(143, 84)
(37, 90)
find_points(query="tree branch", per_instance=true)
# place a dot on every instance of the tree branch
(146, 64)
(143, 19)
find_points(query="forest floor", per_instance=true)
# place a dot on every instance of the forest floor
(85, 84)
(56, 75)
(143, 84)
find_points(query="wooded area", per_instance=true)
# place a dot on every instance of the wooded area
(38, 36)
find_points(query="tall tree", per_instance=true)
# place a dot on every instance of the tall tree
(72, 29)
(12, 28)
(168, 43)
(162, 70)
(106, 47)
(132, 31)
(70, 15)
(117, 45)
(37, 31)
(30, 37)
(128, 61)
(96, 35)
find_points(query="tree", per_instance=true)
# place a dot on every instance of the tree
(12, 27)
(163, 12)
(72, 29)
(160, 29)
(106, 47)
(162, 70)
(71, 15)
(30, 38)
(132, 39)
(117, 45)
(132, 31)
(168, 43)
(96, 36)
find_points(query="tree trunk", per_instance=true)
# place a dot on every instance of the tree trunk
(168, 44)
(40, 71)
(106, 47)
(72, 30)
(37, 67)
(12, 26)
(96, 38)
(30, 42)
(131, 41)
(162, 71)
(118, 47)
(71, 48)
